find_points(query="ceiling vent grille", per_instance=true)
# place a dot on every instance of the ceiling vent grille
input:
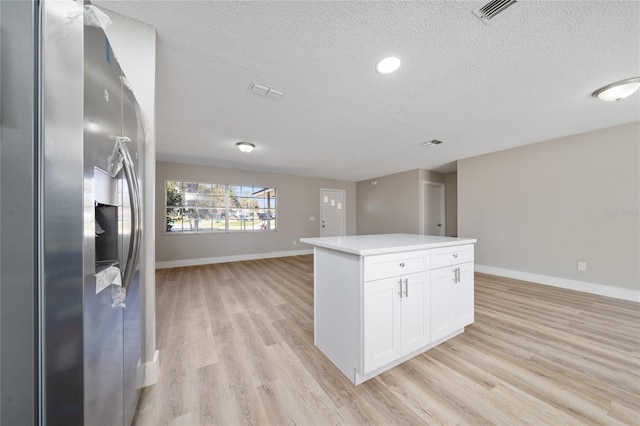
(491, 9)
(267, 92)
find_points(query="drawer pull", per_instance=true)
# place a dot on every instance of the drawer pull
(402, 264)
(455, 254)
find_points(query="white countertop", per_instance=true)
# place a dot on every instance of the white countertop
(365, 245)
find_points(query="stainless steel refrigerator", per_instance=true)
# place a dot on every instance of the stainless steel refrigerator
(72, 146)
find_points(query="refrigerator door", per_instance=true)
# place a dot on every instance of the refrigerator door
(103, 197)
(61, 218)
(133, 130)
(18, 208)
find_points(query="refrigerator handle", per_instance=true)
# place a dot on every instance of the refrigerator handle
(136, 210)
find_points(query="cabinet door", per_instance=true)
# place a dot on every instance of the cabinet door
(416, 328)
(462, 298)
(381, 326)
(441, 292)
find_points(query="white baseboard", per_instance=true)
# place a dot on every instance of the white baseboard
(593, 288)
(150, 370)
(224, 259)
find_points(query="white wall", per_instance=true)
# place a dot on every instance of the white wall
(298, 198)
(538, 209)
(134, 45)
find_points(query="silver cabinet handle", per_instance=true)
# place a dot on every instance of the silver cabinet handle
(136, 210)
(406, 287)
(400, 282)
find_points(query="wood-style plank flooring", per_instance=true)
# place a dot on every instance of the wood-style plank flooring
(236, 348)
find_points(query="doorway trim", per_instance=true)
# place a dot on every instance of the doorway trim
(443, 212)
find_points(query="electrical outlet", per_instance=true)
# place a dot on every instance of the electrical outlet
(295, 242)
(582, 266)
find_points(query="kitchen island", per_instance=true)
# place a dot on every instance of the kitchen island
(380, 300)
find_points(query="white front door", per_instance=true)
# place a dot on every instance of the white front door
(332, 213)
(433, 208)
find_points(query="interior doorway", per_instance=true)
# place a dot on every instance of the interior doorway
(433, 208)
(332, 213)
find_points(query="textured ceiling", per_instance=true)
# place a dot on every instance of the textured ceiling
(526, 77)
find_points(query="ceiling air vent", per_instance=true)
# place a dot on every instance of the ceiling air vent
(262, 90)
(432, 142)
(491, 9)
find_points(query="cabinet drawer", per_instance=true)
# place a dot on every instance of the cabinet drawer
(391, 265)
(451, 255)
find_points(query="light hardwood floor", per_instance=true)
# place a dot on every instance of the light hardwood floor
(236, 348)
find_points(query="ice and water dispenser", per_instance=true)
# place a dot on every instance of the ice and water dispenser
(108, 239)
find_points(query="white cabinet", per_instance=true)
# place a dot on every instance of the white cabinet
(416, 321)
(462, 308)
(452, 297)
(396, 318)
(380, 300)
(395, 264)
(453, 255)
(381, 325)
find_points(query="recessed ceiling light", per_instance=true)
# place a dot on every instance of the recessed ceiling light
(618, 90)
(388, 65)
(245, 146)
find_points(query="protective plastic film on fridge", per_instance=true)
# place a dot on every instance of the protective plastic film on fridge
(92, 140)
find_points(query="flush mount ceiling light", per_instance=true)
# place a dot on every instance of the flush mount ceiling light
(388, 65)
(618, 90)
(245, 146)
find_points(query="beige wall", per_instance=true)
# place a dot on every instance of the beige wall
(430, 176)
(451, 203)
(541, 208)
(391, 205)
(298, 199)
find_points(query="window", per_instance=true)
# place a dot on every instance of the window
(210, 207)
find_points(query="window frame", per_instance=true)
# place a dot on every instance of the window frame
(228, 209)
